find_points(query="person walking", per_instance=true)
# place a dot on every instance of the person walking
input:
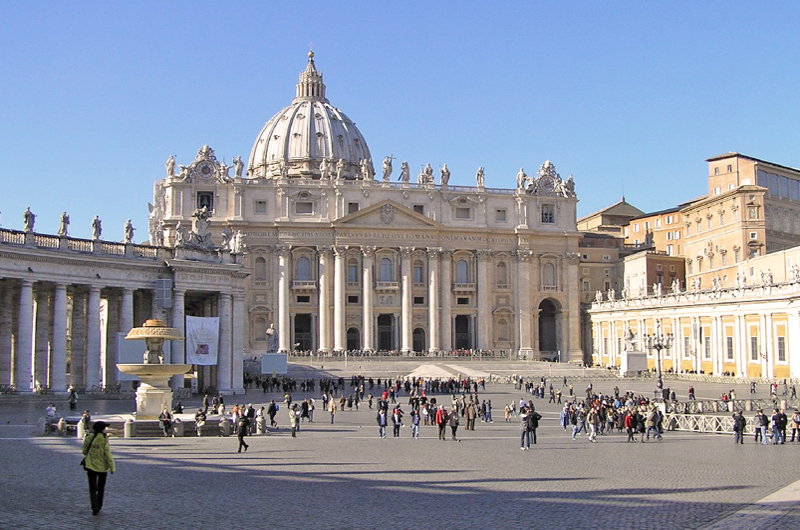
(381, 419)
(796, 425)
(98, 462)
(242, 428)
(397, 421)
(294, 419)
(593, 419)
(760, 422)
(531, 424)
(414, 423)
(272, 410)
(332, 409)
(739, 424)
(72, 399)
(454, 424)
(441, 421)
(631, 425)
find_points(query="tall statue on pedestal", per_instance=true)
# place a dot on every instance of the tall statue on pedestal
(387, 168)
(445, 175)
(405, 172)
(28, 220)
(62, 229)
(238, 165)
(272, 338)
(479, 177)
(97, 228)
(171, 166)
(129, 230)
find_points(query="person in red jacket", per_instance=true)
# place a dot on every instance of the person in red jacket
(441, 421)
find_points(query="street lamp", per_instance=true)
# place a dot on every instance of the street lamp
(659, 341)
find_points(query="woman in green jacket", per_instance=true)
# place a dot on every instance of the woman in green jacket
(98, 463)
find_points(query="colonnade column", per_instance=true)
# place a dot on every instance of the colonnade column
(433, 299)
(126, 311)
(109, 360)
(793, 352)
(522, 259)
(78, 342)
(339, 342)
(58, 350)
(485, 339)
(446, 321)
(93, 337)
(237, 344)
(178, 347)
(324, 304)
(406, 344)
(767, 351)
(225, 338)
(24, 349)
(6, 322)
(283, 299)
(41, 345)
(368, 253)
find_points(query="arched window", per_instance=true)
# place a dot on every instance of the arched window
(260, 270)
(549, 274)
(502, 330)
(386, 270)
(303, 272)
(462, 271)
(502, 274)
(352, 271)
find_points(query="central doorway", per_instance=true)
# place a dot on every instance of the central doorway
(463, 332)
(302, 332)
(385, 332)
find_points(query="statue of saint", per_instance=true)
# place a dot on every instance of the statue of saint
(184, 175)
(522, 178)
(445, 175)
(224, 169)
(479, 177)
(158, 236)
(237, 243)
(428, 174)
(630, 340)
(323, 169)
(405, 173)
(421, 178)
(340, 169)
(272, 338)
(226, 237)
(387, 168)
(180, 235)
(28, 220)
(97, 228)
(569, 187)
(238, 165)
(171, 166)
(366, 169)
(62, 229)
(129, 230)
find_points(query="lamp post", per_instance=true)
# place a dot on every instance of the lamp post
(659, 341)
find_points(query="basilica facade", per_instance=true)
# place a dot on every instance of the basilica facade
(343, 259)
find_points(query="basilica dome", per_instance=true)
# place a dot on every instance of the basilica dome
(310, 138)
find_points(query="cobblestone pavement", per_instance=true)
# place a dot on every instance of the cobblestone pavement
(343, 476)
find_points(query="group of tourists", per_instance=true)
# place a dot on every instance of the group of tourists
(764, 427)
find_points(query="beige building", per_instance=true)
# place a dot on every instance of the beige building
(344, 261)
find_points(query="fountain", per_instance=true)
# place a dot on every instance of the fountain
(154, 394)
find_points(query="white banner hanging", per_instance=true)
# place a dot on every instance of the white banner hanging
(202, 340)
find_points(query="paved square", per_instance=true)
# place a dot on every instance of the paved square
(343, 476)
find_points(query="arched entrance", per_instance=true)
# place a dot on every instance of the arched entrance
(419, 339)
(549, 313)
(353, 339)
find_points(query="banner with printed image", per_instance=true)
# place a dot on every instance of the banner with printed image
(202, 340)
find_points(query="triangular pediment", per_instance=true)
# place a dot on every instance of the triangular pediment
(386, 214)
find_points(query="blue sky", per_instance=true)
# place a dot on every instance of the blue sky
(627, 96)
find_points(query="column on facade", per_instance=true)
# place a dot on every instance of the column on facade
(6, 323)
(93, 337)
(237, 344)
(225, 344)
(324, 305)
(110, 359)
(767, 351)
(283, 299)
(571, 318)
(369, 320)
(41, 347)
(339, 336)
(522, 302)
(677, 344)
(695, 350)
(793, 351)
(406, 331)
(58, 350)
(741, 367)
(433, 299)
(484, 328)
(126, 311)
(78, 339)
(446, 320)
(178, 347)
(719, 342)
(24, 348)
(715, 358)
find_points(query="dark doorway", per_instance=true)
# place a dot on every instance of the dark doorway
(385, 338)
(548, 343)
(419, 340)
(463, 332)
(302, 332)
(353, 339)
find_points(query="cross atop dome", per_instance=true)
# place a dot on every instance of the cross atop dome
(311, 85)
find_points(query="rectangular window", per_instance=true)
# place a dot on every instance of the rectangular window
(304, 208)
(303, 299)
(687, 347)
(672, 268)
(463, 213)
(669, 219)
(548, 214)
(753, 348)
(636, 229)
(418, 274)
(419, 208)
(669, 250)
(716, 171)
(721, 219)
(606, 257)
(730, 168)
(724, 259)
(586, 285)
(260, 207)
(352, 299)
(707, 347)
(699, 227)
(500, 215)
(658, 223)
(352, 207)
(647, 225)
(753, 235)
(781, 349)
(462, 301)
(419, 300)
(729, 348)
(658, 267)
(709, 223)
